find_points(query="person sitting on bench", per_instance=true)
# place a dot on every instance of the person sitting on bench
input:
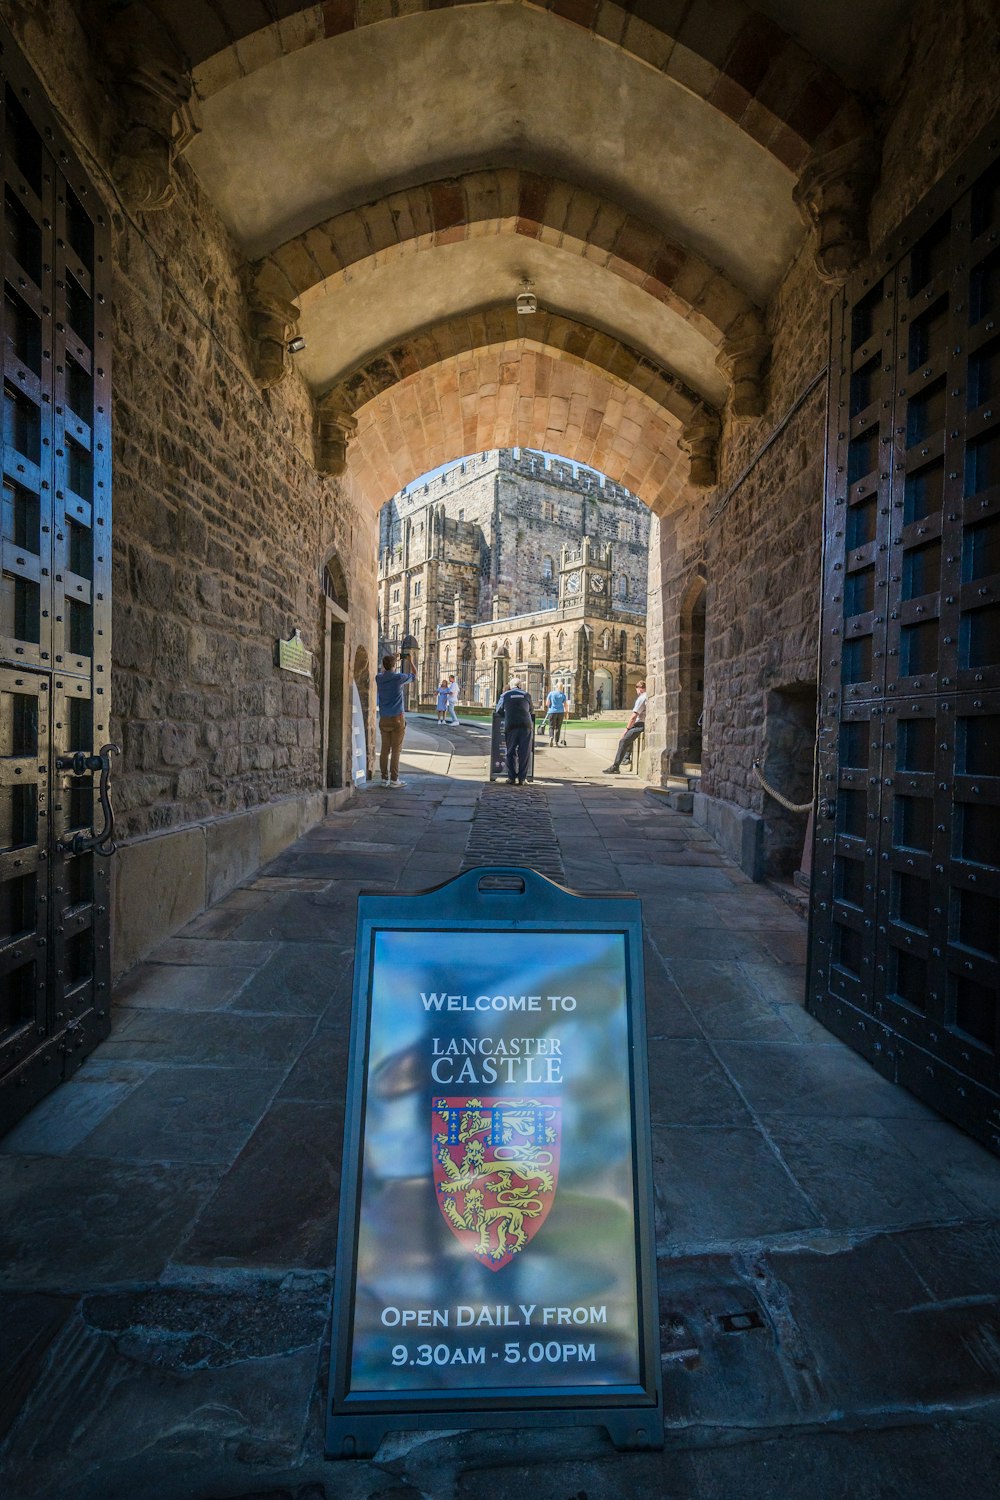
(633, 729)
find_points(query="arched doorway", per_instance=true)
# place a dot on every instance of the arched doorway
(691, 691)
(604, 685)
(335, 686)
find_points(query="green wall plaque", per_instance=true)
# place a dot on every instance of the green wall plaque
(293, 656)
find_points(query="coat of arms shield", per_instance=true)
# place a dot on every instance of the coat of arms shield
(496, 1162)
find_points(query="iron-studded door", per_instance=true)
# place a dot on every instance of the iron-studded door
(55, 569)
(905, 950)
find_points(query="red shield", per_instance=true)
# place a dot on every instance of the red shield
(495, 1167)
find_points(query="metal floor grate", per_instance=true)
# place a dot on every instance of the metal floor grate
(513, 826)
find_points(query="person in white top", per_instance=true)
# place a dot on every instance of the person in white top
(452, 700)
(633, 729)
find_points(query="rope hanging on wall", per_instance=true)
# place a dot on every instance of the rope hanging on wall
(796, 807)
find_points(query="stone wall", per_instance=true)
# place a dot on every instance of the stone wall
(759, 536)
(763, 549)
(222, 527)
(942, 92)
(676, 559)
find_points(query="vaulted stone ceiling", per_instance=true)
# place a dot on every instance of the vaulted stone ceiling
(393, 168)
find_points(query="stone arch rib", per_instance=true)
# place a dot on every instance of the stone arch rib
(518, 394)
(503, 326)
(520, 202)
(735, 58)
(693, 424)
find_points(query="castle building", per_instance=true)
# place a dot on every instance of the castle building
(516, 565)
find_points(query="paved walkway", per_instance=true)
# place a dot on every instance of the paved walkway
(169, 1216)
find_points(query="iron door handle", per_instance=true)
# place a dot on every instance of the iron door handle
(80, 763)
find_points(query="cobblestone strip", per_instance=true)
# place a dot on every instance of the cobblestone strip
(513, 826)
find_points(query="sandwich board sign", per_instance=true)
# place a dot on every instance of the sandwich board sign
(495, 1263)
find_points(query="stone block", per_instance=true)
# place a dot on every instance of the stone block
(282, 822)
(232, 848)
(78, 1221)
(738, 832)
(290, 1170)
(159, 884)
(184, 1114)
(31, 1324)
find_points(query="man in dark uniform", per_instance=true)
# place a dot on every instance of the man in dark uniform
(518, 722)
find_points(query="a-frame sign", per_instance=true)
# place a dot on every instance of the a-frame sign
(496, 1264)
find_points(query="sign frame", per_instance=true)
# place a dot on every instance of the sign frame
(501, 899)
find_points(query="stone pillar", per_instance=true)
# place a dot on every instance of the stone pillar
(581, 669)
(656, 653)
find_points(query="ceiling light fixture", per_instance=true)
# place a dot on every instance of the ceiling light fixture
(526, 301)
(296, 345)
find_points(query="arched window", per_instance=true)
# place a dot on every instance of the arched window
(548, 568)
(638, 648)
(482, 652)
(520, 648)
(532, 646)
(447, 653)
(334, 581)
(606, 641)
(623, 587)
(560, 641)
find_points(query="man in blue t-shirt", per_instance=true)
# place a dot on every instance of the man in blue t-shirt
(391, 715)
(518, 722)
(556, 703)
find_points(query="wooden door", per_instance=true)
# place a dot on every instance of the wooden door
(905, 942)
(55, 598)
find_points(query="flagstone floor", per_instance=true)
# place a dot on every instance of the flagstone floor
(168, 1218)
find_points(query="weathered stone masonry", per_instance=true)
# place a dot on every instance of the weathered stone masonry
(757, 538)
(222, 529)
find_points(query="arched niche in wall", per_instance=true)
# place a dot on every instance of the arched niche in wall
(336, 695)
(691, 674)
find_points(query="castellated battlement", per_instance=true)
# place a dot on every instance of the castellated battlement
(525, 462)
